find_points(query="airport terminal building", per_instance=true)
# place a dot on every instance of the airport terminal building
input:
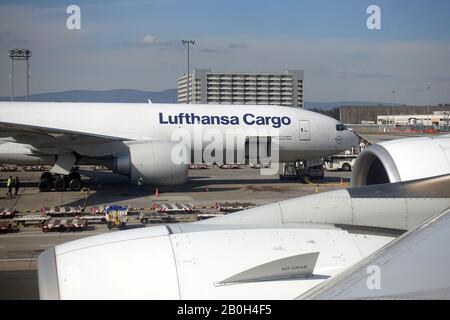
(207, 87)
(391, 114)
(438, 119)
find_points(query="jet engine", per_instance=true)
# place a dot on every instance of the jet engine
(157, 162)
(272, 263)
(402, 160)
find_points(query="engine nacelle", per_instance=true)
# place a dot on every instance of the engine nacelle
(153, 161)
(270, 263)
(402, 160)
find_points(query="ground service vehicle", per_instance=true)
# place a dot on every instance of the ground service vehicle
(116, 216)
(303, 170)
(340, 162)
(312, 169)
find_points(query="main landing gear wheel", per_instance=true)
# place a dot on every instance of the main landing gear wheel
(60, 185)
(74, 180)
(45, 185)
(75, 185)
(60, 182)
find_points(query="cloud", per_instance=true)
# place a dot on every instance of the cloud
(237, 46)
(149, 39)
(9, 38)
(439, 78)
(211, 50)
(361, 75)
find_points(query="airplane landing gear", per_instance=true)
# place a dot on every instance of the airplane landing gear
(60, 182)
(45, 184)
(75, 184)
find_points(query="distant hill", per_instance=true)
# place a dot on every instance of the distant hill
(332, 105)
(119, 95)
(139, 96)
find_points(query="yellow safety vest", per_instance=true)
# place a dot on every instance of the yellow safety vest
(9, 182)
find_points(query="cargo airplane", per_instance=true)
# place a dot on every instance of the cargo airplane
(138, 140)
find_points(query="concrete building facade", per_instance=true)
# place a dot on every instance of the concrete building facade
(369, 114)
(207, 87)
(438, 119)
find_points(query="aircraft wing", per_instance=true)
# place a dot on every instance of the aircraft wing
(44, 137)
(415, 266)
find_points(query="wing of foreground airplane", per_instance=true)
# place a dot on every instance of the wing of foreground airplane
(50, 137)
(415, 266)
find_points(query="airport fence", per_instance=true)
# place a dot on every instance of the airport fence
(389, 129)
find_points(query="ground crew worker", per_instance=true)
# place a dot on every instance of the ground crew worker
(362, 145)
(9, 185)
(140, 183)
(16, 185)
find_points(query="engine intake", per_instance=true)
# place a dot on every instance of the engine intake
(402, 160)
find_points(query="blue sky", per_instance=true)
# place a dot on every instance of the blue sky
(136, 44)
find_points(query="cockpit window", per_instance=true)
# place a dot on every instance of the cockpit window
(341, 127)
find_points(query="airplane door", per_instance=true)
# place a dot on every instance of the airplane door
(304, 130)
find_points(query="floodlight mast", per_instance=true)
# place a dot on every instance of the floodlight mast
(188, 42)
(20, 54)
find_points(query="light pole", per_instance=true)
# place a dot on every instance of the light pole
(188, 42)
(20, 54)
(393, 106)
(12, 79)
(428, 90)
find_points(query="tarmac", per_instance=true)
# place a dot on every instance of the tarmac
(204, 186)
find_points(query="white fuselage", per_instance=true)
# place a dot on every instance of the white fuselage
(300, 134)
